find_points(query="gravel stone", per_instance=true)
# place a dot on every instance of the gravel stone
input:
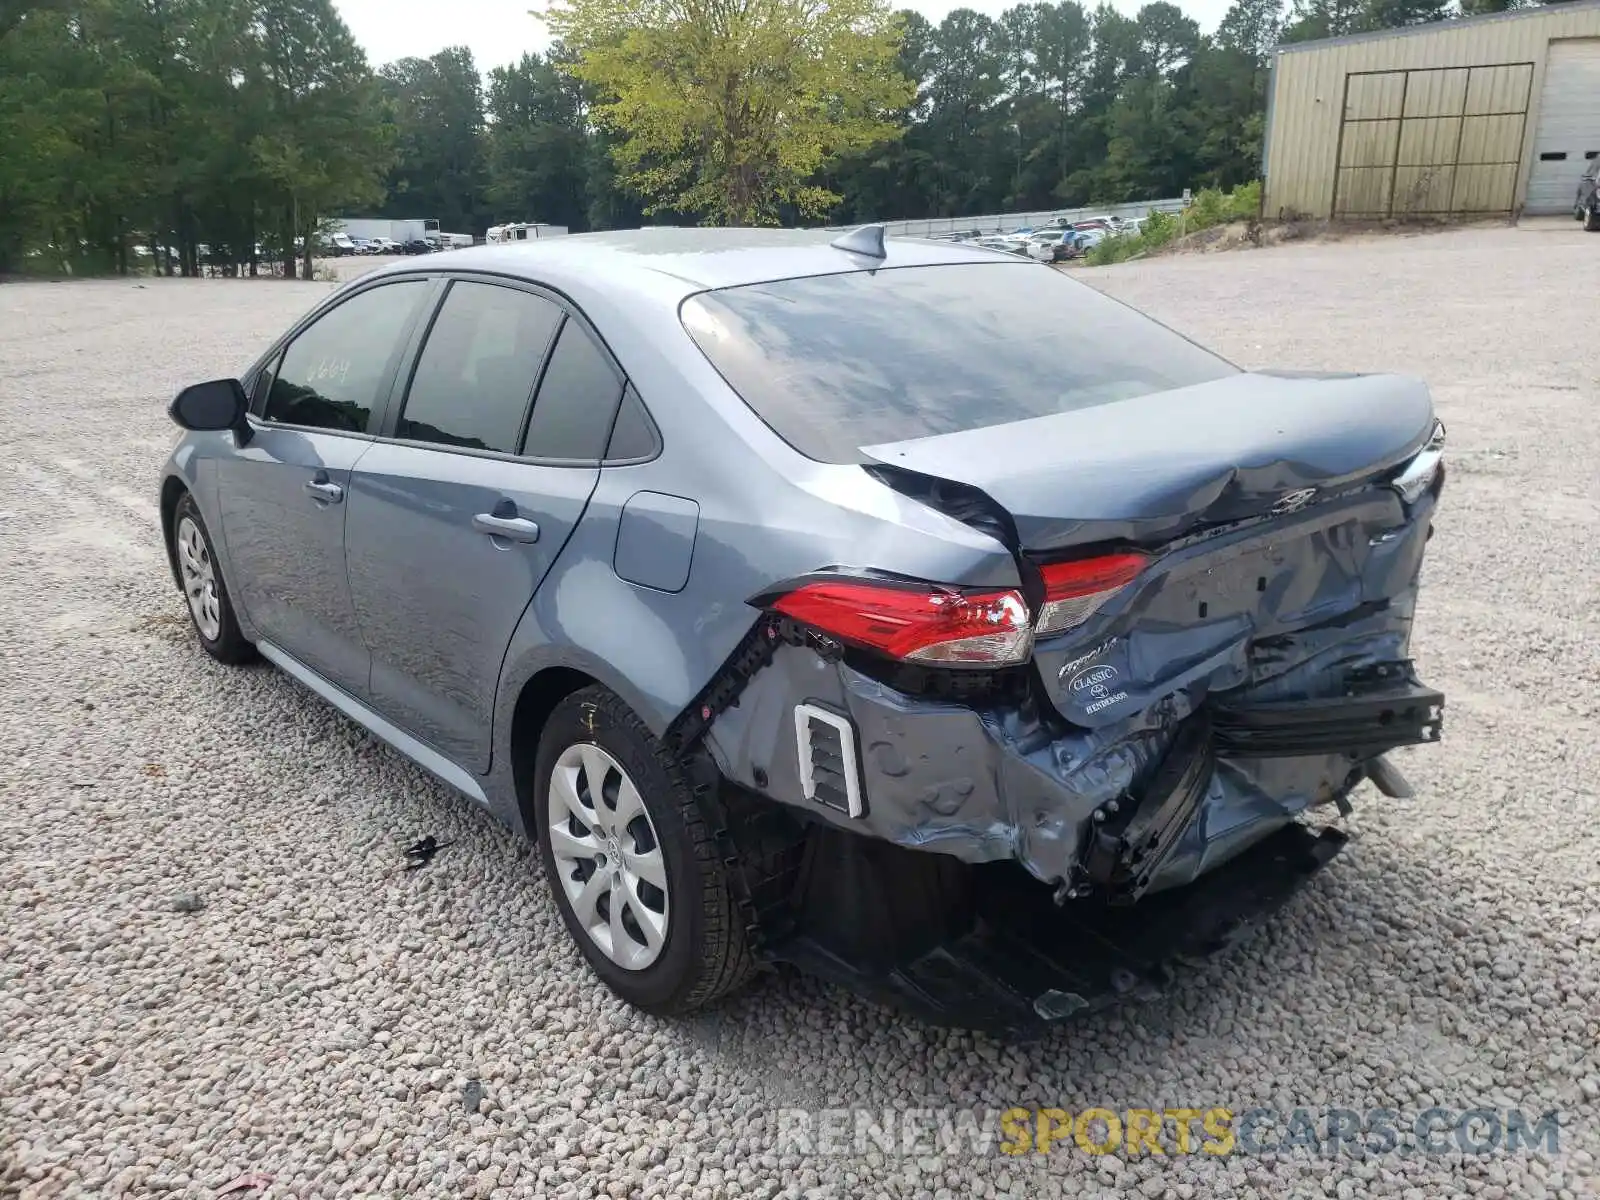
(319, 1024)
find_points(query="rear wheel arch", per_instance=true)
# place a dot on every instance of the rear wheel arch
(536, 700)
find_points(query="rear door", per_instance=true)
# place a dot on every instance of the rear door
(485, 467)
(282, 495)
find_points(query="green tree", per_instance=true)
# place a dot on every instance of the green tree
(892, 174)
(539, 151)
(1392, 14)
(730, 109)
(46, 107)
(1313, 19)
(1223, 116)
(436, 107)
(1251, 27)
(321, 147)
(1167, 39)
(1064, 51)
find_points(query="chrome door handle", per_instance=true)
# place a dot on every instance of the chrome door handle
(516, 529)
(328, 493)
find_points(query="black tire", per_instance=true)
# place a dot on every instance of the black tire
(704, 955)
(1591, 220)
(229, 645)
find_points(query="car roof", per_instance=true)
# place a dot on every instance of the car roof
(682, 260)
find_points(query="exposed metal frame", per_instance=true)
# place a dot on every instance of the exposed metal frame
(1395, 166)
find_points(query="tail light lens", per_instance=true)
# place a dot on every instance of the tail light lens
(1074, 591)
(1424, 470)
(921, 624)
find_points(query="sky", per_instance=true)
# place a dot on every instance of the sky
(500, 32)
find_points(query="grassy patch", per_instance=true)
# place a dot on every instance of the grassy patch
(1209, 208)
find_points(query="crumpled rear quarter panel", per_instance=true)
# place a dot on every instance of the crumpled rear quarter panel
(1020, 780)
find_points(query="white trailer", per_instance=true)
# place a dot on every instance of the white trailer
(401, 231)
(524, 231)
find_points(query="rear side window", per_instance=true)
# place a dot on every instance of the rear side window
(836, 362)
(577, 399)
(476, 371)
(330, 375)
(633, 436)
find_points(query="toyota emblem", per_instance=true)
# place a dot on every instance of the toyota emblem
(1291, 502)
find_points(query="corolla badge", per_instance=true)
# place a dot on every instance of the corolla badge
(1096, 681)
(1291, 502)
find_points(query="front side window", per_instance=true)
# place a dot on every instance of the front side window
(330, 375)
(577, 400)
(477, 369)
(837, 362)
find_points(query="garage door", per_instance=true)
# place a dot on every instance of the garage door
(1569, 124)
(1432, 141)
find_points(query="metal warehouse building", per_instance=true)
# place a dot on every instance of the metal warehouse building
(1482, 116)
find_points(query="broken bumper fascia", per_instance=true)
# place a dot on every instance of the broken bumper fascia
(1012, 781)
(1026, 963)
(1135, 842)
(1159, 843)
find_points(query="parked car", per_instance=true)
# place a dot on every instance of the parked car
(1067, 248)
(821, 610)
(1587, 206)
(383, 245)
(340, 245)
(1049, 246)
(1005, 243)
(418, 246)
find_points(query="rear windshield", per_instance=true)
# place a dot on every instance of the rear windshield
(836, 362)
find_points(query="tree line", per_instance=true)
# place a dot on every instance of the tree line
(161, 131)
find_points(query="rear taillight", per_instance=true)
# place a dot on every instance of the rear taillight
(1073, 591)
(921, 623)
(1424, 470)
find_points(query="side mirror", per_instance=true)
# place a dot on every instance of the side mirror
(219, 404)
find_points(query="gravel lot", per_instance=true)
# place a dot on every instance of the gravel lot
(210, 964)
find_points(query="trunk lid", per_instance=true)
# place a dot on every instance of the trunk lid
(1149, 468)
(1248, 494)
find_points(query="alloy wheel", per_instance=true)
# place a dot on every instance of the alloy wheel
(608, 857)
(199, 579)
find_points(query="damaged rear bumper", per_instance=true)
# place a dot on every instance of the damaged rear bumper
(1257, 675)
(1118, 813)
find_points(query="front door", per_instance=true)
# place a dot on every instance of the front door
(283, 497)
(454, 521)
